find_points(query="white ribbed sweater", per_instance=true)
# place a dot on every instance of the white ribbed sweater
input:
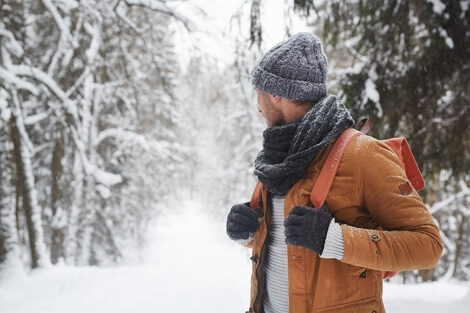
(276, 295)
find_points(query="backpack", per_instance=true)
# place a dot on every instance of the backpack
(328, 171)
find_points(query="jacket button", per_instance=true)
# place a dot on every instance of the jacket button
(254, 259)
(375, 237)
(374, 311)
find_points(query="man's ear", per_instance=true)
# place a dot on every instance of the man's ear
(276, 98)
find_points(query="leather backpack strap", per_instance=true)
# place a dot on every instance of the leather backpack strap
(330, 167)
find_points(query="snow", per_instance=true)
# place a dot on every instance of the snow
(371, 91)
(64, 28)
(464, 5)
(103, 177)
(36, 73)
(437, 6)
(12, 45)
(449, 42)
(36, 118)
(26, 153)
(162, 6)
(95, 44)
(213, 19)
(11, 79)
(5, 112)
(189, 266)
(219, 28)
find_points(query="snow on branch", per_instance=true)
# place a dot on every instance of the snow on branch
(11, 79)
(36, 118)
(33, 72)
(79, 81)
(122, 15)
(102, 177)
(162, 7)
(115, 133)
(20, 123)
(465, 192)
(12, 45)
(350, 43)
(60, 23)
(165, 149)
(129, 136)
(95, 44)
(437, 6)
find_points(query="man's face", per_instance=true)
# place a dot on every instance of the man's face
(270, 110)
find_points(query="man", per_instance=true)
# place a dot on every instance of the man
(327, 259)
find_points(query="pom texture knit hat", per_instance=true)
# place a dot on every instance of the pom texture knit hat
(295, 69)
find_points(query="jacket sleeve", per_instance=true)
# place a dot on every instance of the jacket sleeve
(408, 239)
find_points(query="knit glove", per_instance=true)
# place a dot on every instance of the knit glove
(242, 222)
(307, 227)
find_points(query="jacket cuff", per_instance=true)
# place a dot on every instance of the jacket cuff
(334, 243)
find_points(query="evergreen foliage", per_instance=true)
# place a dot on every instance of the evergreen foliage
(418, 63)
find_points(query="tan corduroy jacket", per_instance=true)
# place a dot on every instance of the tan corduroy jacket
(363, 198)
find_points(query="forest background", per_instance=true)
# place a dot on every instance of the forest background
(110, 110)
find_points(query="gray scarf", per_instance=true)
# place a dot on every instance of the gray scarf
(289, 148)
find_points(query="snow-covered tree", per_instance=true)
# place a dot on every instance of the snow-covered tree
(87, 109)
(225, 133)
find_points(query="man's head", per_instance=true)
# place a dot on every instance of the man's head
(277, 110)
(293, 70)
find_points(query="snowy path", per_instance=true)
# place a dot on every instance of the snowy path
(206, 271)
(191, 267)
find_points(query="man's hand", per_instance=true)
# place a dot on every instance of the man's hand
(242, 222)
(307, 227)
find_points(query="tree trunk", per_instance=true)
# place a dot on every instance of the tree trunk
(426, 274)
(20, 155)
(459, 246)
(9, 241)
(57, 249)
(3, 235)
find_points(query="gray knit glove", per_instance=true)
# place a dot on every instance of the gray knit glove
(242, 222)
(307, 227)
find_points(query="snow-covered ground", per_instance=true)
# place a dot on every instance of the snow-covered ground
(191, 266)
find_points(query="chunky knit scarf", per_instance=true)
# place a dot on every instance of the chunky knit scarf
(289, 148)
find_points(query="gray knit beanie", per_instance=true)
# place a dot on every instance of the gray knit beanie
(294, 69)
